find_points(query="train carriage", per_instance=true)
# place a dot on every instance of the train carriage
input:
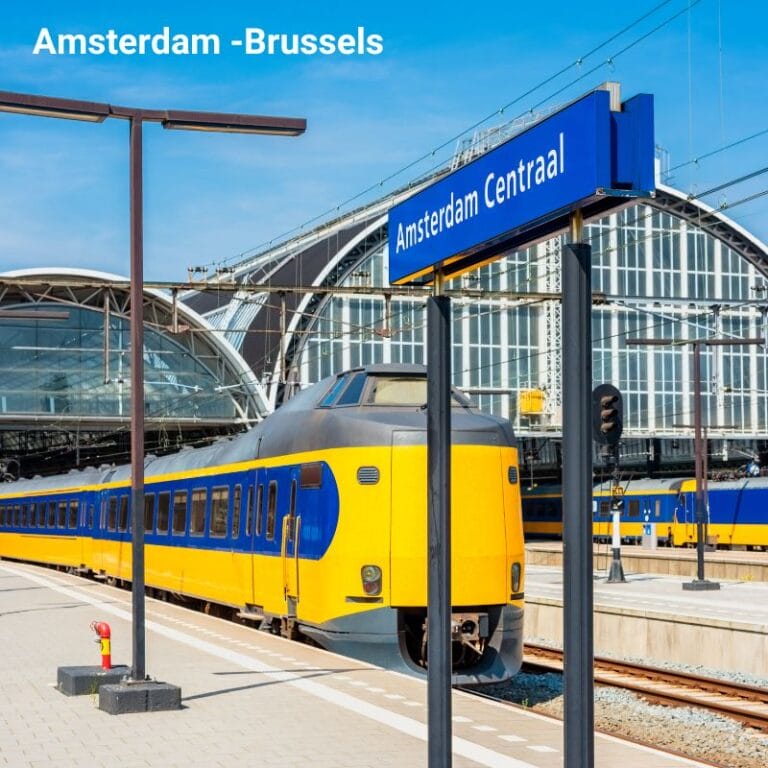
(313, 523)
(661, 509)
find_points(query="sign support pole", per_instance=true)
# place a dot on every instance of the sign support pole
(578, 639)
(439, 527)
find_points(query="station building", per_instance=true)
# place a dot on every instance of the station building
(65, 391)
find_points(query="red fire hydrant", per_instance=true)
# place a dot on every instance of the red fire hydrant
(101, 628)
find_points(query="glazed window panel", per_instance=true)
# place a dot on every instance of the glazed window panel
(237, 502)
(163, 510)
(122, 524)
(197, 515)
(180, 512)
(260, 510)
(61, 519)
(74, 509)
(149, 512)
(51, 514)
(271, 510)
(219, 507)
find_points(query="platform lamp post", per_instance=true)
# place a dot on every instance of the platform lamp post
(699, 449)
(71, 109)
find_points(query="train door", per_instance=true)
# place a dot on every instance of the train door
(289, 551)
(85, 532)
(253, 530)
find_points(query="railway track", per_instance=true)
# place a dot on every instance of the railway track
(746, 703)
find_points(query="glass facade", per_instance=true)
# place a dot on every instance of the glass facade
(660, 278)
(68, 366)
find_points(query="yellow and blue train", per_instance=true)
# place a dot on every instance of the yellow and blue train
(735, 512)
(312, 523)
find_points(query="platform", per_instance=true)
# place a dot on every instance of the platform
(651, 617)
(735, 565)
(248, 698)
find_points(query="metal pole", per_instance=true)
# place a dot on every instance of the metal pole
(439, 528)
(578, 641)
(138, 671)
(699, 582)
(697, 460)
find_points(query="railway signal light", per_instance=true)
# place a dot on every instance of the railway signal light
(607, 414)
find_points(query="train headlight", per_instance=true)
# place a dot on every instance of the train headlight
(371, 576)
(516, 574)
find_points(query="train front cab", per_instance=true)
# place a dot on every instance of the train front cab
(383, 527)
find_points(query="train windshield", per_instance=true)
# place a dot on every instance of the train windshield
(365, 389)
(404, 390)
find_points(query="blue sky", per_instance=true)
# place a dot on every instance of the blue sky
(443, 69)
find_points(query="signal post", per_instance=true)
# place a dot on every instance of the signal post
(607, 426)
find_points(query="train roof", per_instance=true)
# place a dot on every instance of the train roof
(735, 484)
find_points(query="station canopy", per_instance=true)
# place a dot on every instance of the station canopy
(65, 388)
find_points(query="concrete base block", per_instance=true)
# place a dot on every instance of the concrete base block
(700, 584)
(145, 696)
(78, 681)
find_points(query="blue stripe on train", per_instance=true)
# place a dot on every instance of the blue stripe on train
(317, 503)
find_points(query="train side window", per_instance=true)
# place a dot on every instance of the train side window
(149, 512)
(219, 507)
(180, 512)
(605, 509)
(658, 508)
(91, 515)
(24, 515)
(634, 508)
(197, 517)
(61, 519)
(51, 514)
(271, 510)
(74, 510)
(41, 515)
(112, 514)
(237, 499)
(33, 515)
(163, 507)
(260, 509)
(122, 521)
(2, 515)
(249, 515)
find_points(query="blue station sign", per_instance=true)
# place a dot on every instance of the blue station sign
(584, 156)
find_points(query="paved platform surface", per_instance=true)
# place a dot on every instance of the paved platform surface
(248, 698)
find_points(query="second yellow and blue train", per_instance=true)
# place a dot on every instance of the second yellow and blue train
(735, 512)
